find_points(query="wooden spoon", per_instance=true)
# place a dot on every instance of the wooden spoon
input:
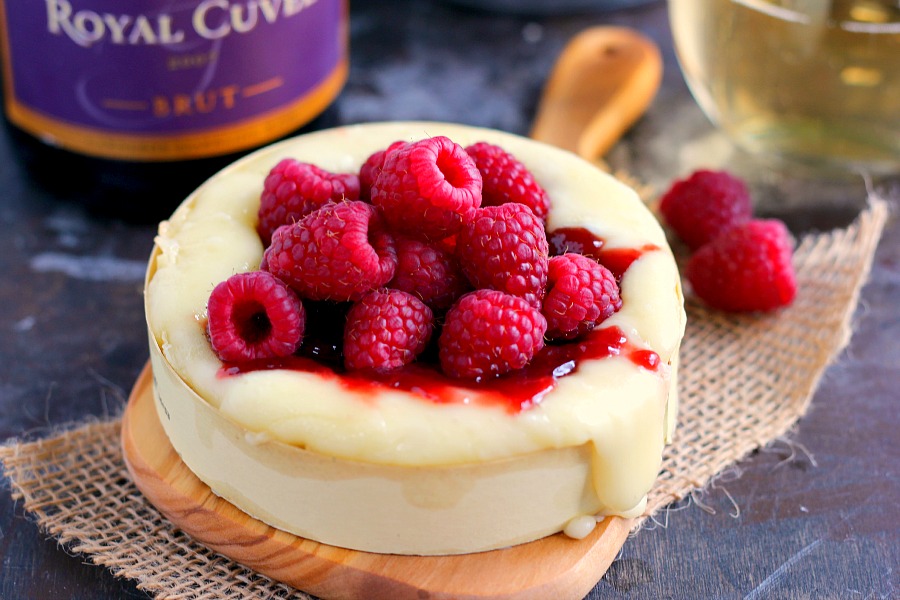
(603, 81)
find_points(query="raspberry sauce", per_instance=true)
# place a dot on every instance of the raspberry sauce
(516, 391)
(582, 241)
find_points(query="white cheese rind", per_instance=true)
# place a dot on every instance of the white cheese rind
(376, 508)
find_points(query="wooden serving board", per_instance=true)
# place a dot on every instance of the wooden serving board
(555, 567)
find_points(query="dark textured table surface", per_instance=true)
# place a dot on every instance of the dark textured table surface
(812, 516)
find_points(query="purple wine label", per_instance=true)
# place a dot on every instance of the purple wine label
(170, 79)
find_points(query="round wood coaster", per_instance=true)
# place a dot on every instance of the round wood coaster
(553, 567)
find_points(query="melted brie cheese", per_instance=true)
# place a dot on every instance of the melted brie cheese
(438, 477)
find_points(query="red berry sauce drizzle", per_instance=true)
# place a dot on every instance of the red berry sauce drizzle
(582, 241)
(515, 391)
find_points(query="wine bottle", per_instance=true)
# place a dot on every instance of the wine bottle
(129, 106)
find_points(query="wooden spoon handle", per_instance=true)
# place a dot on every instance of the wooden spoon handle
(603, 81)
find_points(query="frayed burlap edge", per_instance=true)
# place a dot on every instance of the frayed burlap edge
(78, 490)
(745, 380)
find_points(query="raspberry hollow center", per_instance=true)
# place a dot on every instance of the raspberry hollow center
(251, 321)
(453, 170)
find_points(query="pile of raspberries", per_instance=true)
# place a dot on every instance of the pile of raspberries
(429, 244)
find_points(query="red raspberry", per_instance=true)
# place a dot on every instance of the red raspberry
(428, 272)
(372, 167)
(748, 268)
(489, 333)
(580, 294)
(294, 189)
(705, 205)
(428, 189)
(506, 179)
(505, 248)
(254, 315)
(338, 252)
(385, 330)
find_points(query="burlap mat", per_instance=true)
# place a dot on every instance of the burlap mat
(744, 381)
